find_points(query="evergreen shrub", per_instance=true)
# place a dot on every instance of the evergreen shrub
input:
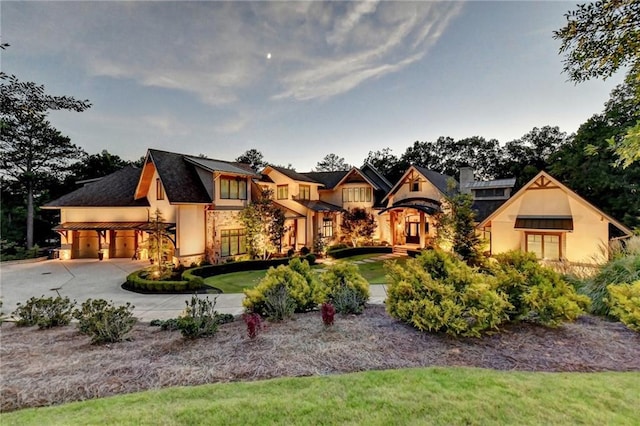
(345, 288)
(45, 312)
(624, 303)
(438, 292)
(103, 321)
(537, 293)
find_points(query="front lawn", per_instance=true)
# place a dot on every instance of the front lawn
(410, 396)
(235, 282)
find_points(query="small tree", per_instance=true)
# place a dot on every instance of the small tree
(457, 225)
(254, 158)
(264, 223)
(159, 244)
(357, 225)
(332, 163)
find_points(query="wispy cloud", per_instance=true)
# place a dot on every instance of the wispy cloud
(217, 51)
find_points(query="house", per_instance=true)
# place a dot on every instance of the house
(547, 218)
(314, 201)
(412, 205)
(198, 199)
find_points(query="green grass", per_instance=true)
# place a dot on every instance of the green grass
(236, 282)
(413, 396)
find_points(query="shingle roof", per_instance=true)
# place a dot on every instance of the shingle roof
(483, 208)
(439, 180)
(328, 179)
(292, 174)
(114, 190)
(377, 177)
(221, 166)
(179, 178)
(320, 206)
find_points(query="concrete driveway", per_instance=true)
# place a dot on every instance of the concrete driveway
(84, 279)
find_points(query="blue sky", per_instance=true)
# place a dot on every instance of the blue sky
(297, 80)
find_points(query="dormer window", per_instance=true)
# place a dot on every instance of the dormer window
(159, 190)
(233, 188)
(489, 192)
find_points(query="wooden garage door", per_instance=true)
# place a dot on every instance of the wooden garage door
(123, 243)
(85, 245)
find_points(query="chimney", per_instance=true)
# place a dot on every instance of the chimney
(466, 177)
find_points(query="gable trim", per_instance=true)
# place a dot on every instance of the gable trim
(544, 180)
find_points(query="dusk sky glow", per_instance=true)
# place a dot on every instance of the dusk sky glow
(297, 80)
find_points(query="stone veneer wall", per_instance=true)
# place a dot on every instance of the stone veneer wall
(217, 220)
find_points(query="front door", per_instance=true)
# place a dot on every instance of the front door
(412, 231)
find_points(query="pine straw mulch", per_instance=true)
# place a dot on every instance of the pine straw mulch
(45, 367)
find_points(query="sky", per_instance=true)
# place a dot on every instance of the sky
(296, 80)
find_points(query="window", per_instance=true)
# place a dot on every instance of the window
(159, 190)
(414, 185)
(283, 192)
(327, 227)
(544, 246)
(360, 194)
(305, 192)
(233, 188)
(234, 241)
(489, 192)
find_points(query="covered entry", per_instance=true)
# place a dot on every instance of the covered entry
(412, 222)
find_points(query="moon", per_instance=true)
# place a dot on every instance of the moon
(269, 55)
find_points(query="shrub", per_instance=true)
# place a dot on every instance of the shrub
(199, 319)
(345, 288)
(438, 292)
(278, 304)
(310, 258)
(328, 313)
(138, 281)
(620, 270)
(537, 293)
(298, 281)
(624, 302)
(341, 251)
(166, 325)
(254, 324)
(305, 251)
(45, 312)
(103, 321)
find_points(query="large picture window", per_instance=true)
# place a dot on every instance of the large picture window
(234, 241)
(544, 246)
(282, 192)
(358, 195)
(233, 189)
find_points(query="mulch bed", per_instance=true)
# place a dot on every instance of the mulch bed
(46, 367)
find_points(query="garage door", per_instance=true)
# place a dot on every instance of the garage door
(85, 245)
(123, 243)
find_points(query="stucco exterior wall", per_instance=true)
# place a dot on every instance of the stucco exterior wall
(587, 243)
(167, 210)
(104, 214)
(427, 190)
(190, 230)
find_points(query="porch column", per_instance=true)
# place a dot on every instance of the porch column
(392, 221)
(421, 230)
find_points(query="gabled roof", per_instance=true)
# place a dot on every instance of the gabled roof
(291, 174)
(332, 179)
(179, 178)
(376, 176)
(213, 166)
(440, 181)
(114, 190)
(329, 179)
(564, 188)
(320, 206)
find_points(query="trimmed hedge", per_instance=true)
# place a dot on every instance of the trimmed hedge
(354, 251)
(136, 282)
(247, 265)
